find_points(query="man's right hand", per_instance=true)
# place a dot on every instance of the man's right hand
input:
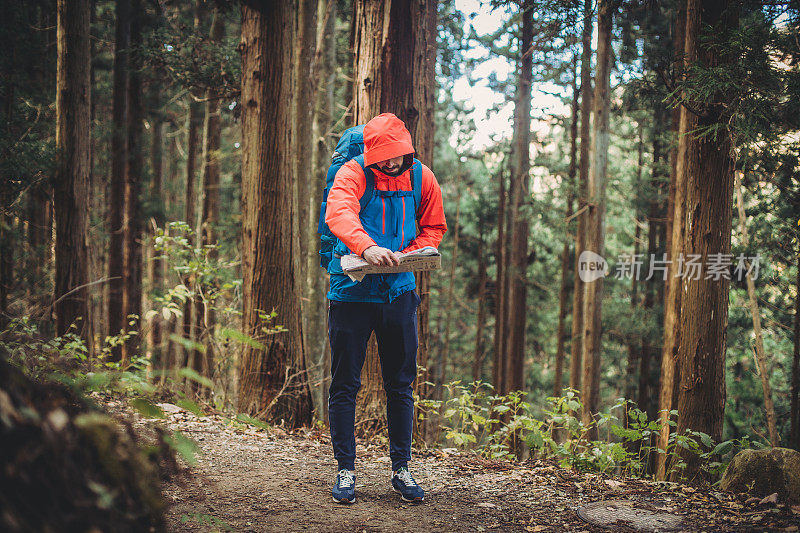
(375, 255)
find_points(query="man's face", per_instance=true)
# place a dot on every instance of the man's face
(391, 165)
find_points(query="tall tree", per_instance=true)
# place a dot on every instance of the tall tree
(706, 165)
(119, 160)
(595, 214)
(444, 350)
(576, 342)
(71, 183)
(425, 14)
(795, 401)
(670, 371)
(155, 265)
(498, 372)
(563, 293)
(325, 62)
(516, 313)
(393, 73)
(195, 123)
(305, 84)
(204, 315)
(272, 380)
(132, 226)
(761, 356)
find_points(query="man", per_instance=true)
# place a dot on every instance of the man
(383, 303)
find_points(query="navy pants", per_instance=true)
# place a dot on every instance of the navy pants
(350, 325)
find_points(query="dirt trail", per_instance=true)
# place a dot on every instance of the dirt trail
(248, 479)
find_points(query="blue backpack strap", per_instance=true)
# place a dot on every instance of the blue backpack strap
(370, 182)
(416, 184)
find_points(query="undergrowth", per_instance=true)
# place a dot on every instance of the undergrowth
(504, 427)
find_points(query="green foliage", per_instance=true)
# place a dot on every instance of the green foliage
(497, 426)
(64, 359)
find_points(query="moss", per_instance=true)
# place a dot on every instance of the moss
(69, 467)
(763, 472)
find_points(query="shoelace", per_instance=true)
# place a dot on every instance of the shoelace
(405, 476)
(345, 478)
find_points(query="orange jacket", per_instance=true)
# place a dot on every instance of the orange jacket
(385, 137)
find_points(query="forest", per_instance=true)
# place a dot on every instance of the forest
(618, 292)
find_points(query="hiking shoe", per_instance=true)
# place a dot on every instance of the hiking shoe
(404, 483)
(344, 490)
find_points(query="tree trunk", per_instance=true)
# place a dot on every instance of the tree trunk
(653, 225)
(795, 402)
(633, 349)
(273, 381)
(424, 90)
(6, 266)
(480, 325)
(303, 118)
(188, 358)
(156, 265)
(132, 257)
(316, 337)
(595, 215)
(670, 372)
(707, 168)
(520, 208)
(390, 76)
(761, 356)
(563, 294)
(500, 295)
(204, 317)
(119, 161)
(71, 184)
(444, 353)
(576, 342)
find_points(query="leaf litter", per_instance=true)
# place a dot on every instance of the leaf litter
(251, 478)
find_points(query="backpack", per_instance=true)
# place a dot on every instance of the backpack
(351, 146)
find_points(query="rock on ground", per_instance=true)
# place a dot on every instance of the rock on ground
(764, 472)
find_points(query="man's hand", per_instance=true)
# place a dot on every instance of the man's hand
(375, 255)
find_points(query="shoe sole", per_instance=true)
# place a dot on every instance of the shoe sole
(416, 500)
(345, 501)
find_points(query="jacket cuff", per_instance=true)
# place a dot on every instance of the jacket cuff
(363, 245)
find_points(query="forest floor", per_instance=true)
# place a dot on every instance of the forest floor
(250, 479)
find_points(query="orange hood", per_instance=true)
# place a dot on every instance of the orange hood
(385, 137)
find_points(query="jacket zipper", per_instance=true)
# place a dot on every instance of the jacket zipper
(383, 199)
(403, 227)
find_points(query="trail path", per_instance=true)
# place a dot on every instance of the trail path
(248, 479)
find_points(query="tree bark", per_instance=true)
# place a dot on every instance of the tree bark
(707, 168)
(595, 215)
(71, 184)
(670, 371)
(498, 376)
(576, 342)
(633, 348)
(390, 76)
(653, 226)
(424, 90)
(480, 325)
(188, 358)
(303, 116)
(119, 159)
(795, 402)
(444, 353)
(204, 316)
(520, 206)
(761, 356)
(156, 265)
(132, 229)
(273, 382)
(563, 294)
(323, 121)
